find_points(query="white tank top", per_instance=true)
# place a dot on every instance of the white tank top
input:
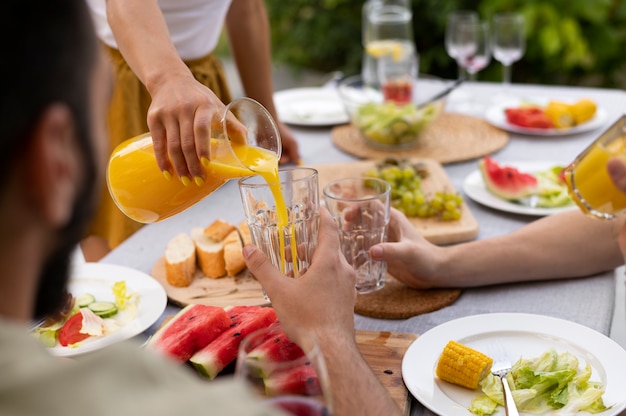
(194, 25)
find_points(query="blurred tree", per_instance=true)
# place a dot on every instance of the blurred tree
(574, 42)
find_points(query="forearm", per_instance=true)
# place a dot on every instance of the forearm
(144, 41)
(247, 26)
(355, 388)
(559, 246)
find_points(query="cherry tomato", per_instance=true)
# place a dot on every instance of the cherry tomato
(70, 331)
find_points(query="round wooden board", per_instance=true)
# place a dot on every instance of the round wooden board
(451, 138)
(242, 289)
(397, 301)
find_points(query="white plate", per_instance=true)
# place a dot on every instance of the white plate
(310, 107)
(521, 335)
(495, 115)
(475, 188)
(98, 279)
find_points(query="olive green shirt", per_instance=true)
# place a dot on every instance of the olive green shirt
(119, 380)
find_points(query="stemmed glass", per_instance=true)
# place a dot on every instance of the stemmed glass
(453, 21)
(471, 44)
(509, 42)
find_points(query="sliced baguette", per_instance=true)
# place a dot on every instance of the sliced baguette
(218, 230)
(180, 261)
(244, 232)
(233, 256)
(210, 254)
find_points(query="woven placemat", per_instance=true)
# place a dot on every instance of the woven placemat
(451, 138)
(398, 301)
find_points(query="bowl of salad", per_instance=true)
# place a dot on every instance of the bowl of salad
(392, 117)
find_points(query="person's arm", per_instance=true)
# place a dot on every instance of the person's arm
(559, 246)
(247, 26)
(182, 109)
(321, 302)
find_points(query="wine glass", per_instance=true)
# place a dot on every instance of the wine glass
(473, 48)
(509, 42)
(454, 19)
(288, 374)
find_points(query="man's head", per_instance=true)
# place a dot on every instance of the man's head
(51, 123)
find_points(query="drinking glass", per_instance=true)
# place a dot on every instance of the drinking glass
(291, 375)
(289, 241)
(472, 45)
(588, 180)
(360, 207)
(387, 31)
(453, 21)
(509, 42)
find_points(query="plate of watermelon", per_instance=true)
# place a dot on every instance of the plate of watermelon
(541, 116)
(528, 188)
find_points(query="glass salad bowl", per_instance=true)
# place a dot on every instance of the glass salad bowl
(388, 124)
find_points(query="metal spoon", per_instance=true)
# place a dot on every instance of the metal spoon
(442, 93)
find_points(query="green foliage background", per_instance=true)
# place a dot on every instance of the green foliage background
(571, 42)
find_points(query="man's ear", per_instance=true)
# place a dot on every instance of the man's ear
(54, 165)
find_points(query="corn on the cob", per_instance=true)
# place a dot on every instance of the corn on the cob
(462, 365)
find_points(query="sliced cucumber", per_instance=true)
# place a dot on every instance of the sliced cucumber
(103, 309)
(85, 300)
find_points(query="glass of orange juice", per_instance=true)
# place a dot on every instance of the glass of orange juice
(142, 192)
(588, 180)
(283, 217)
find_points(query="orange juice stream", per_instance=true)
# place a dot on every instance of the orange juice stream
(141, 191)
(588, 176)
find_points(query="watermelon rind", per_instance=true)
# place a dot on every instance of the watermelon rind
(191, 329)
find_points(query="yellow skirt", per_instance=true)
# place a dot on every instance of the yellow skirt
(128, 118)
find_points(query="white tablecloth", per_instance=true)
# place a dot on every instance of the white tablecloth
(588, 301)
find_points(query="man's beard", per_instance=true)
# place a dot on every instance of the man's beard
(53, 280)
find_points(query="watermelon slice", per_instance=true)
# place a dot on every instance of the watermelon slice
(507, 182)
(276, 348)
(191, 329)
(213, 358)
(301, 380)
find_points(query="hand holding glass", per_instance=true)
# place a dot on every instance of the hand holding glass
(588, 180)
(360, 207)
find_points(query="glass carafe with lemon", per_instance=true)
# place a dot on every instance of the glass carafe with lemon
(387, 33)
(142, 192)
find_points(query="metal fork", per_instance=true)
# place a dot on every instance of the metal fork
(500, 368)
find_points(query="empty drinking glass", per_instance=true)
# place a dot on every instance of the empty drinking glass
(451, 42)
(509, 42)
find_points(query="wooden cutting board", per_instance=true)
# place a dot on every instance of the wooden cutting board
(383, 351)
(434, 230)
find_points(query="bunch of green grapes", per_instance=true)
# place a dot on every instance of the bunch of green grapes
(407, 194)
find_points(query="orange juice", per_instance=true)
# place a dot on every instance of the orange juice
(589, 183)
(141, 191)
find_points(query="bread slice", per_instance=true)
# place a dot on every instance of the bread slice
(218, 230)
(210, 254)
(180, 261)
(244, 233)
(233, 256)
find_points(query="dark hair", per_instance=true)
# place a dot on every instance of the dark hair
(50, 54)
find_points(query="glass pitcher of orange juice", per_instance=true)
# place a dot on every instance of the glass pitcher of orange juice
(142, 192)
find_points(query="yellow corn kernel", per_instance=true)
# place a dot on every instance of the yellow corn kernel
(584, 110)
(462, 365)
(560, 114)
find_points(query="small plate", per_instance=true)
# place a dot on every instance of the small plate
(521, 335)
(310, 107)
(495, 116)
(98, 279)
(475, 188)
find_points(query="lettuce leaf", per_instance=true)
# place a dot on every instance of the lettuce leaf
(551, 384)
